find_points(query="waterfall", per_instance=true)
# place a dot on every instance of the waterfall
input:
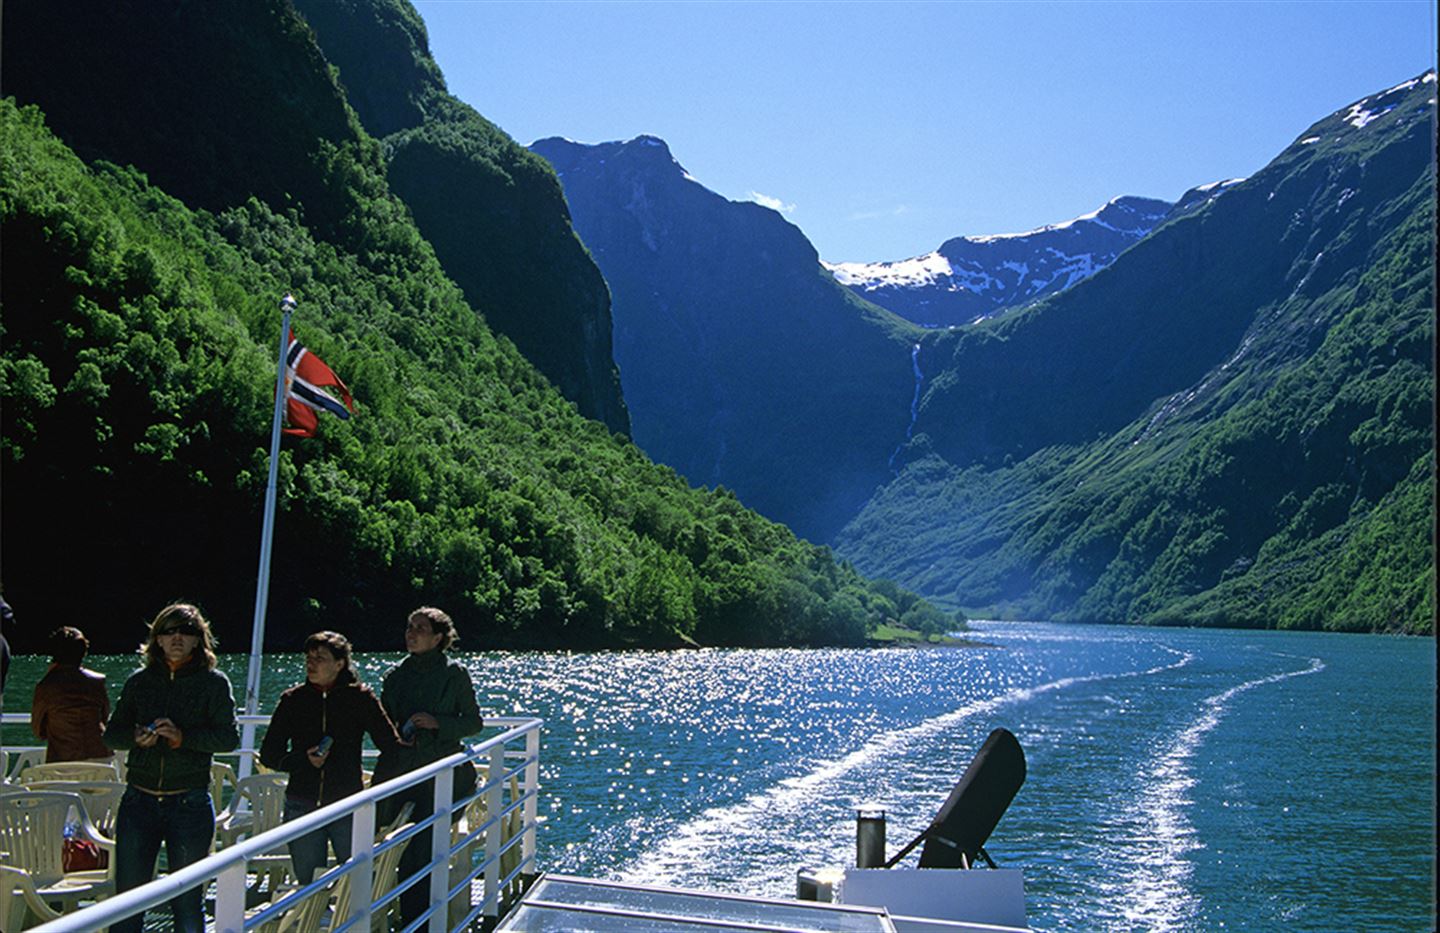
(914, 403)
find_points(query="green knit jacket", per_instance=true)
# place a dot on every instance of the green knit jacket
(428, 683)
(196, 699)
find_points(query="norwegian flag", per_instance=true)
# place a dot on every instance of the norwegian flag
(305, 376)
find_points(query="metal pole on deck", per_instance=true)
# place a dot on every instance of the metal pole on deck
(869, 836)
(267, 535)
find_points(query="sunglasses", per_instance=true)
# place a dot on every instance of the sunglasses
(188, 628)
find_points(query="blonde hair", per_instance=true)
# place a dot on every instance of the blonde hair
(180, 615)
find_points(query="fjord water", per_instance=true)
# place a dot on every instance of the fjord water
(1178, 779)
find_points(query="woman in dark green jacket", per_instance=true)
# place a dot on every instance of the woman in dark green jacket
(172, 715)
(430, 697)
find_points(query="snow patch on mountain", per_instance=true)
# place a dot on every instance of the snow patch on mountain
(906, 273)
(1370, 109)
(1092, 217)
(1360, 118)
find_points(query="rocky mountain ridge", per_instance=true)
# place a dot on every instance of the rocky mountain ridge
(970, 278)
(744, 364)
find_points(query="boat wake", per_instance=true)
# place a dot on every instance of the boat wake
(755, 845)
(1156, 894)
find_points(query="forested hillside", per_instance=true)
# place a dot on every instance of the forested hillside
(203, 162)
(1231, 425)
(492, 210)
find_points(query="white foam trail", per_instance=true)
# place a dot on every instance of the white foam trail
(1156, 896)
(784, 814)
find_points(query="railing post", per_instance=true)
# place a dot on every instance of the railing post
(362, 878)
(230, 898)
(531, 789)
(440, 850)
(494, 803)
(245, 765)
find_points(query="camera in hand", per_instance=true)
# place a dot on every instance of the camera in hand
(407, 731)
(324, 745)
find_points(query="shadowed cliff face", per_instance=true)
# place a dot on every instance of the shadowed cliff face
(744, 364)
(493, 211)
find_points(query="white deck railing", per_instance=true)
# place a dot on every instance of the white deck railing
(514, 753)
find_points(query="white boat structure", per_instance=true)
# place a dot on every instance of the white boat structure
(483, 874)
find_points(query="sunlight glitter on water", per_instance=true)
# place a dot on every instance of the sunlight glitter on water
(1178, 779)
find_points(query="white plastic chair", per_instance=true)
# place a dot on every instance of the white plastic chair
(19, 902)
(70, 771)
(258, 805)
(19, 759)
(385, 875)
(221, 777)
(101, 799)
(32, 836)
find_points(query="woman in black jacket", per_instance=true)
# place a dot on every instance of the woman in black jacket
(316, 734)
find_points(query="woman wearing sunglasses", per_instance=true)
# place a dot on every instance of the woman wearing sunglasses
(172, 716)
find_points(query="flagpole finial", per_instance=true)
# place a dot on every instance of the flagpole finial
(287, 303)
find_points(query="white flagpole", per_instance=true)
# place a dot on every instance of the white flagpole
(267, 535)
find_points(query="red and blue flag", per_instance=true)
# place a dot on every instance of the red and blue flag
(306, 379)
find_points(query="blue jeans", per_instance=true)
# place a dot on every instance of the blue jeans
(308, 852)
(185, 822)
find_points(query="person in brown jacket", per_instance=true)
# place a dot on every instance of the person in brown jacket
(70, 705)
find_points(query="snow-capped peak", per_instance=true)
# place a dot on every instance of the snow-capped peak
(904, 273)
(1122, 203)
(973, 277)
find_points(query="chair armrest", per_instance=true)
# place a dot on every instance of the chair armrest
(12, 880)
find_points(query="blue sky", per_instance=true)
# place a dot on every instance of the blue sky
(883, 129)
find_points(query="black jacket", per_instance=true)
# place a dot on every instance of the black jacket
(304, 715)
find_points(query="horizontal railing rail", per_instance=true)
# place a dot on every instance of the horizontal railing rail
(513, 754)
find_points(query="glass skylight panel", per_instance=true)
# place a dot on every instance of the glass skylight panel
(565, 903)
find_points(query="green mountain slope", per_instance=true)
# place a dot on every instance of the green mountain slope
(1233, 424)
(493, 211)
(138, 352)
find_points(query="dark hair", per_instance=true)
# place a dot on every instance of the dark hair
(187, 619)
(440, 623)
(68, 645)
(338, 646)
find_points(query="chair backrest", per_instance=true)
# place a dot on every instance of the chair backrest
(974, 807)
(403, 816)
(70, 771)
(304, 917)
(20, 760)
(32, 832)
(385, 874)
(265, 794)
(100, 798)
(222, 776)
